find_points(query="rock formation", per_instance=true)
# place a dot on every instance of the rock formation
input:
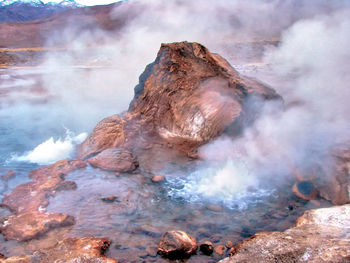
(177, 244)
(320, 235)
(28, 201)
(87, 249)
(185, 98)
(115, 160)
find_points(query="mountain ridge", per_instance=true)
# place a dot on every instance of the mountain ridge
(26, 10)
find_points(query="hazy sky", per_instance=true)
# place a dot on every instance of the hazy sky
(87, 2)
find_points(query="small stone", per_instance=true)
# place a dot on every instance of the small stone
(158, 178)
(177, 244)
(110, 199)
(229, 244)
(207, 248)
(220, 250)
(116, 173)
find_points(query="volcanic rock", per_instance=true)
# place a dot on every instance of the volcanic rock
(229, 244)
(158, 178)
(185, 98)
(27, 226)
(115, 159)
(177, 244)
(220, 250)
(320, 235)
(207, 248)
(87, 249)
(29, 200)
(108, 133)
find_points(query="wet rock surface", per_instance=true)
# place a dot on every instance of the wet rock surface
(177, 244)
(207, 248)
(320, 235)
(115, 159)
(28, 202)
(29, 225)
(87, 249)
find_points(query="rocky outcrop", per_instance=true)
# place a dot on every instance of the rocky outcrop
(185, 98)
(177, 244)
(320, 235)
(28, 201)
(107, 133)
(87, 249)
(115, 160)
(26, 226)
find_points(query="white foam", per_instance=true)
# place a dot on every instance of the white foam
(51, 151)
(231, 184)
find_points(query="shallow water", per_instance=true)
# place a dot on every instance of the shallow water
(30, 115)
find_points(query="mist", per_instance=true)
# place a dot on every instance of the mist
(310, 69)
(95, 76)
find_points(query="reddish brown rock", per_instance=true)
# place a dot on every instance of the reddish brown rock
(115, 159)
(229, 244)
(158, 178)
(320, 235)
(108, 133)
(87, 249)
(220, 250)
(28, 202)
(207, 248)
(185, 98)
(177, 244)
(46, 181)
(31, 225)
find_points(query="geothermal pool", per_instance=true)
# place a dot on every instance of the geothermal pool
(193, 198)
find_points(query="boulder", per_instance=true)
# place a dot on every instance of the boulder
(207, 248)
(177, 244)
(185, 98)
(87, 249)
(320, 235)
(115, 160)
(108, 133)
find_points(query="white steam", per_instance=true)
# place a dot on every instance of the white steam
(96, 75)
(51, 151)
(314, 57)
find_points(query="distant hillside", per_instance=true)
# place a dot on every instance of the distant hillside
(25, 10)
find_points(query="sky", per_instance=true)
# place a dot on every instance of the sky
(87, 2)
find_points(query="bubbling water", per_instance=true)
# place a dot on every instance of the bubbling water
(231, 184)
(51, 150)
